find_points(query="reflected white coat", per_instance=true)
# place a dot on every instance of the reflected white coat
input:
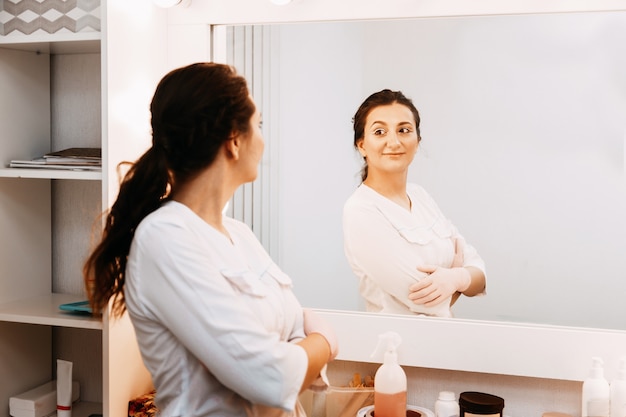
(384, 243)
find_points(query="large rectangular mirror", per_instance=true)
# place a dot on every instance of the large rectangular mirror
(523, 125)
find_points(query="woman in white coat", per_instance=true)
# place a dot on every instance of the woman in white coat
(409, 258)
(217, 323)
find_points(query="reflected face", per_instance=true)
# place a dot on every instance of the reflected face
(390, 140)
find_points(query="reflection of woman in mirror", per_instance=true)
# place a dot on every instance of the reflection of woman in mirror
(409, 258)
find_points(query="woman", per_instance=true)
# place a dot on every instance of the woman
(217, 324)
(408, 257)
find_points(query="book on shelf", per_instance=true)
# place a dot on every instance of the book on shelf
(71, 158)
(40, 163)
(76, 154)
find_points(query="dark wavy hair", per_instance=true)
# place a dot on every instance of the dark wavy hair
(380, 98)
(194, 111)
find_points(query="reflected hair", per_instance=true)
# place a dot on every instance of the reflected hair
(381, 98)
(194, 111)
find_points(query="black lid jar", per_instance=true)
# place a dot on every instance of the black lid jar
(480, 404)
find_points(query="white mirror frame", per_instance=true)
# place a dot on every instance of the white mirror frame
(464, 345)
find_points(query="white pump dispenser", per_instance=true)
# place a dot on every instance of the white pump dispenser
(596, 391)
(618, 391)
(390, 379)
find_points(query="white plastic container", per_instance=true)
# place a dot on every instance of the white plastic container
(64, 388)
(446, 405)
(40, 401)
(596, 392)
(390, 379)
(618, 391)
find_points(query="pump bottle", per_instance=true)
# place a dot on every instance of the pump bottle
(618, 391)
(596, 392)
(390, 380)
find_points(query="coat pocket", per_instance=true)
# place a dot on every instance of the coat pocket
(245, 281)
(279, 276)
(441, 229)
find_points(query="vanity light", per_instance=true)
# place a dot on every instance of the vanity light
(171, 3)
(280, 2)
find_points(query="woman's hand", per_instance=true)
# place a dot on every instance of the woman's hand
(440, 284)
(315, 324)
(321, 347)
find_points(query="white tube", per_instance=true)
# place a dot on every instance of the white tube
(64, 388)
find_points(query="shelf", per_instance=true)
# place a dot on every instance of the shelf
(45, 310)
(85, 409)
(54, 174)
(59, 43)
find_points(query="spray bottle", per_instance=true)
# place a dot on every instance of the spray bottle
(595, 391)
(390, 379)
(618, 391)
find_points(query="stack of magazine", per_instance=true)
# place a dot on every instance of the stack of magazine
(89, 159)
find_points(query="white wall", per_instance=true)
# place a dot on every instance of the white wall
(523, 125)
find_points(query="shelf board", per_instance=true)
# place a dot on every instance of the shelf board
(58, 43)
(45, 310)
(54, 174)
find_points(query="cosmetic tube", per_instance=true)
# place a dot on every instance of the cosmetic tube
(64, 388)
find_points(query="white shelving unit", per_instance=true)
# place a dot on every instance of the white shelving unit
(29, 310)
(62, 90)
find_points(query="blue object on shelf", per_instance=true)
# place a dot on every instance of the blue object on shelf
(77, 307)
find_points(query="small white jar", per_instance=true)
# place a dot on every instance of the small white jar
(446, 405)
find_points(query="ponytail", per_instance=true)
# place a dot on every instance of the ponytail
(142, 191)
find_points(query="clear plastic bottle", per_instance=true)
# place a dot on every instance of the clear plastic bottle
(596, 392)
(618, 391)
(390, 380)
(446, 405)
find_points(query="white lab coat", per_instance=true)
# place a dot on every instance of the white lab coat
(384, 243)
(215, 319)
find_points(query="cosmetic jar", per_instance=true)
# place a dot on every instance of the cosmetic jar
(480, 404)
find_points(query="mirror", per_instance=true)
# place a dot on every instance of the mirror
(523, 126)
